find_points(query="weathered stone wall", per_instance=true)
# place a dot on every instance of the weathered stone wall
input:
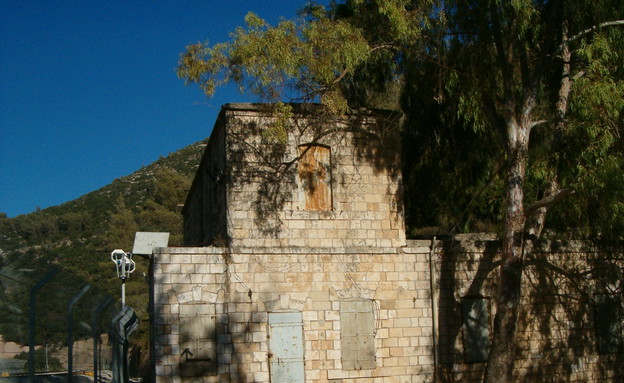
(307, 213)
(557, 331)
(261, 177)
(241, 290)
(9, 349)
(207, 197)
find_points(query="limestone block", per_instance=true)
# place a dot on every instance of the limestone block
(180, 258)
(185, 297)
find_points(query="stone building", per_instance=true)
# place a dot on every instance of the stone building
(316, 183)
(296, 268)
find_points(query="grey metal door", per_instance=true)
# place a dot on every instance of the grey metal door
(286, 347)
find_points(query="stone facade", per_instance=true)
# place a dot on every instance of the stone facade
(566, 333)
(422, 315)
(259, 184)
(242, 289)
(304, 273)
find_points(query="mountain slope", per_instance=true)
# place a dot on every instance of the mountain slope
(76, 238)
(89, 214)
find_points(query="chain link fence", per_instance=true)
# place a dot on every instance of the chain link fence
(52, 324)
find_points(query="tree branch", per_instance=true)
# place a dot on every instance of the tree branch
(548, 201)
(537, 123)
(578, 76)
(384, 46)
(373, 49)
(594, 28)
(342, 75)
(504, 58)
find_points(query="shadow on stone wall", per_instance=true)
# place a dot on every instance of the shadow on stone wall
(450, 303)
(558, 322)
(263, 153)
(211, 349)
(559, 316)
(257, 159)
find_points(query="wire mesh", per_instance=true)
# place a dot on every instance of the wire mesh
(51, 320)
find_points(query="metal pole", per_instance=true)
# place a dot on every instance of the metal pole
(125, 266)
(70, 325)
(116, 368)
(94, 326)
(123, 293)
(434, 307)
(31, 323)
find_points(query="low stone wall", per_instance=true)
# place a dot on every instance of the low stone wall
(560, 321)
(9, 349)
(214, 313)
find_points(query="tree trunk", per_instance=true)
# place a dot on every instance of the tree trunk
(502, 353)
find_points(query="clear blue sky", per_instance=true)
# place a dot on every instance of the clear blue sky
(89, 94)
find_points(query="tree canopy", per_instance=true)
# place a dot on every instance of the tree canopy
(515, 108)
(435, 62)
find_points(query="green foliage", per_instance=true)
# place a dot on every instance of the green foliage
(120, 234)
(305, 56)
(77, 238)
(161, 212)
(276, 133)
(460, 71)
(502, 62)
(20, 273)
(594, 149)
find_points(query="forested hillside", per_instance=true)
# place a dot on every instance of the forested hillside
(146, 195)
(76, 239)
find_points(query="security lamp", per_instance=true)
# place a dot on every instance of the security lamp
(125, 266)
(124, 263)
(117, 255)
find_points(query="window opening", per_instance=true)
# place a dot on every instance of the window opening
(315, 177)
(609, 328)
(476, 326)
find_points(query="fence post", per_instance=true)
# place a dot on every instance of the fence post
(94, 326)
(70, 325)
(31, 323)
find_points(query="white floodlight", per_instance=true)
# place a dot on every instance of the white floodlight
(125, 266)
(124, 263)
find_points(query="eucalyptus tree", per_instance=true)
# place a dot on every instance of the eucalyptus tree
(545, 78)
(519, 67)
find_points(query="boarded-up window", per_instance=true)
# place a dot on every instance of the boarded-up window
(476, 328)
(357, 334)
(315, 177)
(197, 340)
(609, 326)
